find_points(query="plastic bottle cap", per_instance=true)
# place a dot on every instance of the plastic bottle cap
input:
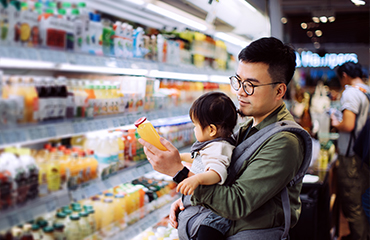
(109, 194)
(84, 214)
(52, 4)
(67, 211)
(74, 217)
(35, 227)
(48, 229)
(139, 121)
(81, 4)
(58, 226)
(61, 215)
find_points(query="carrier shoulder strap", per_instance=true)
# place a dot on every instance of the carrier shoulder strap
(245, 150)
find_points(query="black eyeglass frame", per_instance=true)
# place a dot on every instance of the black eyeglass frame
(241, 84)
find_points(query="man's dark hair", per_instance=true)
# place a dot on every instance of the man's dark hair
(352, 69)
(215, 108)
(279, 57)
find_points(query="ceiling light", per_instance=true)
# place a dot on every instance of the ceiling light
(331, 19)
(231, 39)
(248, 5)
(318, 33)
(304, 25)
(284, 20)
(316, 19)
(358, 2)
(176, 17)
(323, 19)
(309, 34)
(316, 45)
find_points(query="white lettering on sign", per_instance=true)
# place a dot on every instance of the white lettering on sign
(331, 60)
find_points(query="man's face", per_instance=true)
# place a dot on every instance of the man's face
(264, 99)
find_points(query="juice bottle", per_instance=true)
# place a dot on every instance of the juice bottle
(48, 233)
(70, 104)
(107, 220)
(32, 178)
(31, 100)
(84, 225)
(53, 100)
(121, 152)
(148, 133)
(65, 165)
(62, 93)
(73, 229)
(42, 99)
(73, 180)
(105, 99)
(132, 144)
(99, 211)
(53, 171)
(119, 210)
(16, 93)
(35, 231)
(102, 155)
(59, 233)
(41, 162)
(93, 164)
(90, 100)
(113, 142)
(98, 98)
(91, 220)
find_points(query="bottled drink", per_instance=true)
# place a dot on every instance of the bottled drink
(148, 133)
(53, 171)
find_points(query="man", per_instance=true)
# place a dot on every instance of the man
(353, 178)
(253, 201)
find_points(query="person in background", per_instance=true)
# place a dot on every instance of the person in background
(353, 179)
(210, 154)
(253, 201)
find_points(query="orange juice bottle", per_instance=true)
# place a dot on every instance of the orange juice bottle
(31, 100)
(121, 153)
(148, 133)
(92, 163)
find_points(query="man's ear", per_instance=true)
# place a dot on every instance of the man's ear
(212, 130)
(281, 90)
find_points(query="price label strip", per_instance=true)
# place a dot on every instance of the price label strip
(50, 131)
(13, 219)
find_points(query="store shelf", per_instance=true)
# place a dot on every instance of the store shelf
(97, 186)
(141, 225)
(33, 209)
(45, 59)
(40, 206)
(23, 134)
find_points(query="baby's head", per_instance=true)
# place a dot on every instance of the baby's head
(216, 112)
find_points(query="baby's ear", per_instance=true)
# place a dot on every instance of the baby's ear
(213, 130)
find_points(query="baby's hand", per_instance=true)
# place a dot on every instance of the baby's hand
(187, 186)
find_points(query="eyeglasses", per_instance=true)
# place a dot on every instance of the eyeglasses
(248, 86)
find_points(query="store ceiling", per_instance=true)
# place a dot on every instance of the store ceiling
(351, 25)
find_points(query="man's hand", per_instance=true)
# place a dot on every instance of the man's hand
(176, 207)
(166, 162)
(187, 186)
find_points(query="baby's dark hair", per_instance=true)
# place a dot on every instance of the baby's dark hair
(215, 108)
